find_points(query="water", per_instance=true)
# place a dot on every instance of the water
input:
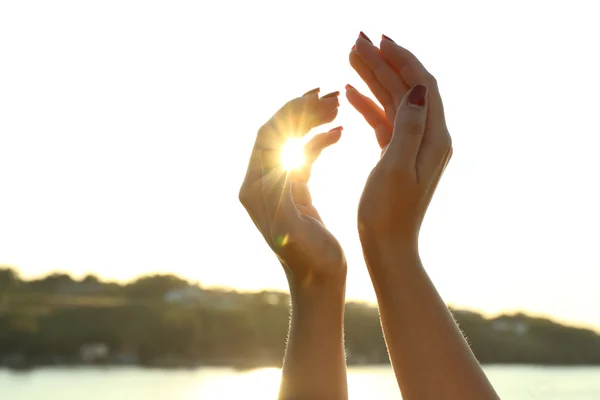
(511, 382)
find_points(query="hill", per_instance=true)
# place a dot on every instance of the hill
(164, 320)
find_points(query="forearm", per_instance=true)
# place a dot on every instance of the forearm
(315, 364)
(430, 356)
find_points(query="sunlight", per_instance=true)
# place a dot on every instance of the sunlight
(292, 154)
(260, 383)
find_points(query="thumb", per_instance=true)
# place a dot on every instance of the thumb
(409, 128)
(321, 141)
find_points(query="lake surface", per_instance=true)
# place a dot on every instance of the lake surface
(127, 383)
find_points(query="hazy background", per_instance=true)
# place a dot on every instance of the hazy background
(125, 128)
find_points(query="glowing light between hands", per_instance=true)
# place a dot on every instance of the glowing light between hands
(292, 154)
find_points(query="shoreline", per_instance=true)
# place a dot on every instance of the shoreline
(241, 368)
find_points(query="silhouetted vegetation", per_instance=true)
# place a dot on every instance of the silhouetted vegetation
(164, 320)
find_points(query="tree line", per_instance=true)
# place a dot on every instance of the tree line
(165, 320)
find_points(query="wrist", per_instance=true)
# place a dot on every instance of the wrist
(319, 310)
(385, 256)
(330, 289)
(322, 294)
(311, 283)
(388, 239)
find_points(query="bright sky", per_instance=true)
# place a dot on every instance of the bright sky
(126, 126)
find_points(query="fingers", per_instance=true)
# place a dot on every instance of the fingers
(312, 91)
(267, 192)
(331, 95)
(409, 129)
(318, 111)
(382, 70)
(414, 73)
(328, 106)
(403, 61)
(277, 196)
(378, 90)
(319, 142)
(299, 116)
(295, 119)
(372, 113)
(312, 150)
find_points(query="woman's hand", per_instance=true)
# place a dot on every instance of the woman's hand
(429, 354)
(279, 201)
(280, 205)
(411, 130)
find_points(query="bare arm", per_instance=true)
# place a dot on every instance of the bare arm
(429, 354)
(280, 205)
(315, 363)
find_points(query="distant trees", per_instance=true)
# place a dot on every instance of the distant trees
(52, 282)
(155, 285)
(90, 280)
(41, 322)
(8, 278)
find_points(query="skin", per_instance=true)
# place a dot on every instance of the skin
(429, 354)
(430, 357)
(280, 204)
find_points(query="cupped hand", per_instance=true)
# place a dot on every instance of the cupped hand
(411, 130)
(279, 201)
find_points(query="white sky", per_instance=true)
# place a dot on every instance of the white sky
(125, 129)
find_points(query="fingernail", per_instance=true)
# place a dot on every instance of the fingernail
(362, 35)
(387, 38)
(353, 47)
(417, 95)
(339, 128)
(332, 94)
(315, 90)
(349, 86)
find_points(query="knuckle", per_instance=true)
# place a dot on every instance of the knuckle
(449, 154)
(264, 128)
(432, 81)
(447, 142)
(243, 196)
(267, 131)
(247, 196)
(442, 143)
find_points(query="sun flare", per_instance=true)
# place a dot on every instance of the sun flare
(292, 154)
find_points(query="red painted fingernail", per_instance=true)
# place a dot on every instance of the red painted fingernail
(417, 95)
(349, 86)
(362, 35)
(339, 128)
(315, 90)
(387, 38)
(332, 94)
(353, 47)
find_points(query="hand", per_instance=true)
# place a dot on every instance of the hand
(280, 205)
(429, 355)
(415, 142)
(279, 201)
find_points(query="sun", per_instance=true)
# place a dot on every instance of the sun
(292, 154)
